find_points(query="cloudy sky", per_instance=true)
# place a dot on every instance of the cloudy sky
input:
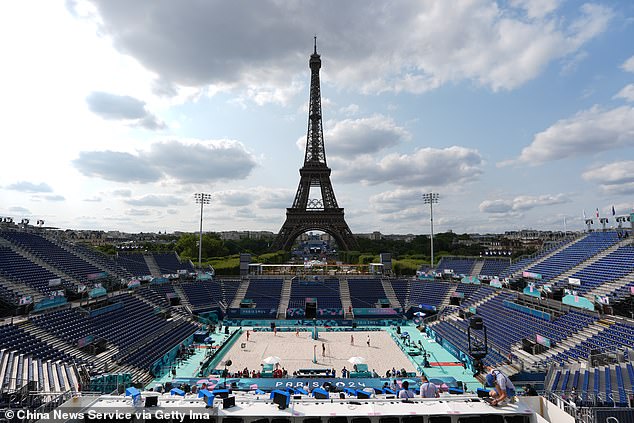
(520, 113)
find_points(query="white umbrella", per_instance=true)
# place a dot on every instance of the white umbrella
(271, 360)
(419, 314)
(356, 360)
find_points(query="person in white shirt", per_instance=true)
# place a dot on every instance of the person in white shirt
(405, 393)
(504, 391)
(428, 389)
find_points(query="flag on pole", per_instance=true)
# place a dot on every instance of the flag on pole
(597, 212)
(613, 211)
(584, 214)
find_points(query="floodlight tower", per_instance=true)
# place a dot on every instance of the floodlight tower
(431, 198)
(202, 199)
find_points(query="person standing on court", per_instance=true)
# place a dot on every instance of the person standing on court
(323, 349)
(368, 340)
(351, 339)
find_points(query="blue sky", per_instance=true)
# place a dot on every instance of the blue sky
(520, 113)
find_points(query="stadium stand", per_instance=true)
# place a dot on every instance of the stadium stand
(603, 385)
(493, 267)
(459, 266)
(169, 263)
(574, 254)
(203, 295)
(401, 288)
(611, 267)
(326, 292)
(429, 293)
(20, 269)
(265, 293)
(134, 263)
(53, 254)
(366, 293)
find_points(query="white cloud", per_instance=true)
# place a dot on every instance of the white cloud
(417, 45)
(396, 200)
(536, 8)
(193, 161)
(424, 167)
(614, 178)
(118, 107)
(156, 200)
(626, 93)
(25, 186)
(351, 109)
(587, 132)
(521, 203)
(234, 198)
(350, 137)
(628, 65)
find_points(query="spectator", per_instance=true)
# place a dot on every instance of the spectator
(428, 389)
(368, 340)
(405, 393)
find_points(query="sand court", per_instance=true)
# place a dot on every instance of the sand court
(296, 352)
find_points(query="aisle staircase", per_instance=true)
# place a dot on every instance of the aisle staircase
(346, 303)
(240, 293)
(285, 297)
(477, 268)
(154, 268)
(390, 294)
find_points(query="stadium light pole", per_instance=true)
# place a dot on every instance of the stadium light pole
(431, 198)
(202, 199)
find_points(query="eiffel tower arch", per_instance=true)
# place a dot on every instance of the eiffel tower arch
(307, 213)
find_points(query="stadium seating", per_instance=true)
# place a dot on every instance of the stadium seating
(134, 263)
(401, 288)
(615, 336)
(53, 254)
(326, 292)
(429, 293)
(265, 293)
(603, 386)
(611, 267)
(493, 267)
(366, 293)
(203, 295)
(459, 266)
(169, 263)
(574, 254)
(17, 370)
(18, 268)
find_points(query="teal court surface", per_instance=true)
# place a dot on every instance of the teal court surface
(296, 349)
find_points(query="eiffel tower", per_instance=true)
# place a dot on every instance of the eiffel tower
(308, 214)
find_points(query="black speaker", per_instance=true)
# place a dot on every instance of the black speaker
(311, 310)
(151, 401)
(476, 323)
(363, 395)
(320, 395)
(226, 330)
(558, 294)
(281, 400)
(228, 402)
(354, 325)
